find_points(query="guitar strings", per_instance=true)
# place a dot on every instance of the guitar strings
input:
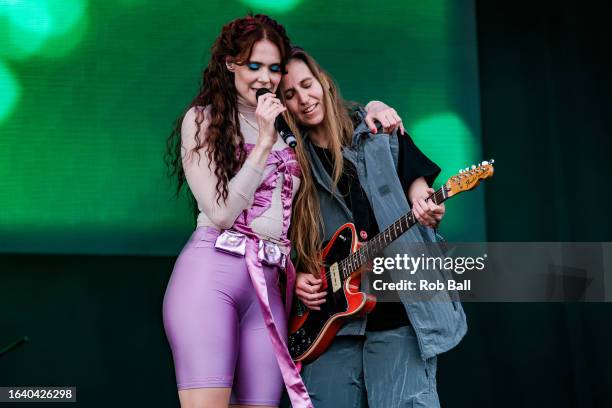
(438, 198)
(375, 243)
(356, 257)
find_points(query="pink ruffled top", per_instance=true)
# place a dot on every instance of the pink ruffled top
(258, 197)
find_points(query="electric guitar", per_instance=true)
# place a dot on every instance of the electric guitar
(344, 258)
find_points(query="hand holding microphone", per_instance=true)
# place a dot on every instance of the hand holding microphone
(268, 109)
(271, 109)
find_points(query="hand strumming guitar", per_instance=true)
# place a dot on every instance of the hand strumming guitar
(308, 290)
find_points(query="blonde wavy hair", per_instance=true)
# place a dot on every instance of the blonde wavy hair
(337, 125)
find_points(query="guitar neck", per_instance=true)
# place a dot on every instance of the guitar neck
(373, 247)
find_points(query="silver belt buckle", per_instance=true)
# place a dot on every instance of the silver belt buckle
(270, 254)
(231, 242)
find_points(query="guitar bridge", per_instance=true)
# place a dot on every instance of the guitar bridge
(334, 273)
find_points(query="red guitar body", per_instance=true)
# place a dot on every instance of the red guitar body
(312, 331)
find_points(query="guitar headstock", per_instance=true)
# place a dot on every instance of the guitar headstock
(469, 178)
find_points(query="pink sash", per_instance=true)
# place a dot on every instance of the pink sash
(291, 375)
(285, 163)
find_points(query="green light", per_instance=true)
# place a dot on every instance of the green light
(30, 26)
(27, 25)
(62, 45)
(9, 92)
(65, 14)
(276, 6)
(448, 141)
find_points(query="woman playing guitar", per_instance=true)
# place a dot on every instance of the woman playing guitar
(387, 358)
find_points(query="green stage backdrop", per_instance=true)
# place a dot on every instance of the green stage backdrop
(89, 91)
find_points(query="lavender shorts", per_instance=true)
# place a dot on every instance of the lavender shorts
(215, 327)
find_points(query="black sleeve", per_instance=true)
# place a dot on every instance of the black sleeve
(413, 164)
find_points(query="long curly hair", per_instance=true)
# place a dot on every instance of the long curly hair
(223, 142)
(338, 127)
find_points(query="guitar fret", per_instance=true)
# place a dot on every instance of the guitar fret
(375, 246)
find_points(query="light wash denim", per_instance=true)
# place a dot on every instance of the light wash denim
(439, 325)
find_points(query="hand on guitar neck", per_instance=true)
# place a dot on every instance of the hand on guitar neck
(426, 211)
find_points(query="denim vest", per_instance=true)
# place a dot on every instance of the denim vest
(439, 325)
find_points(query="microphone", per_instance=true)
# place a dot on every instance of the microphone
(279, 123)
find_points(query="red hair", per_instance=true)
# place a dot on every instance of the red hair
(224, 141)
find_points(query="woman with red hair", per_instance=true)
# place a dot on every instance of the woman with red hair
(224, 290)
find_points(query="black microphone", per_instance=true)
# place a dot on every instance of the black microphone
(279, 124)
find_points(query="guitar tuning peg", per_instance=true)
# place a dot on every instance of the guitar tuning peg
(484, 163)
(473, 166)
(460, 171)
(492, 161)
